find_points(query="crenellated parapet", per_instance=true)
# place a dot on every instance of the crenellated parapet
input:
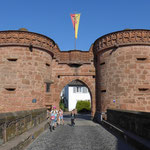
(25, 38)
(75, 57)
(122, 38)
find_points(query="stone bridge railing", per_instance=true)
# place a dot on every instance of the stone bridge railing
(133, 121)
(15, 123)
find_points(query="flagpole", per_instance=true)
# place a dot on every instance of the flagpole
(75, 34)
(75, 44)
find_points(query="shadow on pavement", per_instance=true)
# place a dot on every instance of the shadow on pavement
(79, 116)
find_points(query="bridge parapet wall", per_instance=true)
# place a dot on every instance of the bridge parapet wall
(16, 123)
(133, 121)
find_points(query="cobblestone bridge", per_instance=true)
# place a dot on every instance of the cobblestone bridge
(86, 135)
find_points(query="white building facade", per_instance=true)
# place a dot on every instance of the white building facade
(75, 91)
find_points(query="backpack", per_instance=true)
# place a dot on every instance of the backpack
(52, 116)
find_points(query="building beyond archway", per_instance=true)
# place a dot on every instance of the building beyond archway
(73, 92)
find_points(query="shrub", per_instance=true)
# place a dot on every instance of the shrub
(83, 106)
(66, 109)
(61, 105)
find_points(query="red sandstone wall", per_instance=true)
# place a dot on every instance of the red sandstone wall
(63, 74)
(27, 76)
(123, 64)
(119, 75)
(122, 76)
(37, 60)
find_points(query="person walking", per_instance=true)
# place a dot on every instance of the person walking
(56, 118)
(61, 119)
(52, 119)
(49, 116)
(73, 117)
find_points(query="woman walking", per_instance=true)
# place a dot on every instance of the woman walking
(53, 115)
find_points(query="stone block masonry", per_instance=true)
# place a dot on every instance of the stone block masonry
(33, 71)
(16, 123)
(122, 70)
(133, 121)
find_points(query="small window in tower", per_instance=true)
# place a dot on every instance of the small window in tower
(141, 59)
(12, 59)
(103, 91)
(143, 89)
(47, 87)
(103, 63)
(75, 65)
(47, 64)
(10, 89)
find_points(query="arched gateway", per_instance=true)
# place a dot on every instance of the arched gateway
(33, 71)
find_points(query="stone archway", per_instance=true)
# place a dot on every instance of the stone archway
(75, 91)
(88, 81)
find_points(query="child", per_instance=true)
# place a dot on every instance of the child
(52, 119)
(48, 116)
(61, 116)
(73, 116)
(55, 114)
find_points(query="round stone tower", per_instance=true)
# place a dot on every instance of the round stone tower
(123, 70)
(25, 69)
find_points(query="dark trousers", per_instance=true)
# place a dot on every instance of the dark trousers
(72, 122)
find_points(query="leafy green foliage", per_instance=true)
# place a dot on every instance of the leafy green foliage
(83, 106)
(61, 105)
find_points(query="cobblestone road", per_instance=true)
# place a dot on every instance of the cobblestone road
(86, 135)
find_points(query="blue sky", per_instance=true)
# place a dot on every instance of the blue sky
(52, 18)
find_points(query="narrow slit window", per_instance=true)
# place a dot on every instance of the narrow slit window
(12, 59)
(103, 63)
(10, 89)
(143, 89)
(47, 87)
(103, 91)
(75, 65)
(47, 64)
(141, 59)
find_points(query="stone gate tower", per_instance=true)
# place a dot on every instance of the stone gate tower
(123, 75)
(33, 71)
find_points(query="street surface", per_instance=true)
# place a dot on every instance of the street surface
(85, 135)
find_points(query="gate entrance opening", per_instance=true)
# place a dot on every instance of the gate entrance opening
(76, 95)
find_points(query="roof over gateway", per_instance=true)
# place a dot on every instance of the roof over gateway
(76, 83)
